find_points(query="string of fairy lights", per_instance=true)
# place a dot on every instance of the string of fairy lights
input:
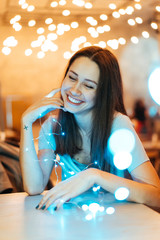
(47, 40)
(121, 144)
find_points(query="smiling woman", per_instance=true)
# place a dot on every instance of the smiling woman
(90, 112)
(79, 87)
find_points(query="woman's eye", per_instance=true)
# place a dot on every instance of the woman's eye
(72, 78)
(90, 87)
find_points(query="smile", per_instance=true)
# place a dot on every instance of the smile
(73, 100)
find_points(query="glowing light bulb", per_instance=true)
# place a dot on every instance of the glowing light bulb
(84, 207)
(154, 85)
(102, 44)
(24, 6)
(62, 2)
(52, 36)
(103, 17)
(41, 39)
(94, 189)
(88, 5)
(94, 34)
(93, 207)
(110, 210)
(138, 6)
(48, 20)
(100, 29)
(79, 3)
(17, 27)
(158, 8)
(51, 27)
(40, 30)
(30, 8)
(89, 217)
(106, 28)
(67, 55)
(21, 2)
(121, 140)
(154, 25)
(134, 40)
(113, 43)
(17, 18)
(66, 12)
(139, 20)
(131, 22)
(6, 50)
(54, 4)
(122, 11)
(87, 44)
(122, 41)
(101, 209)
(145, 34)
(31, 23)
(121, 193)
(66, 27)
(10, 42)
(112, 6)
(129, 10)
(74, 24)
(122, 160)
(40, 55)
(116, 14)
(28, 52)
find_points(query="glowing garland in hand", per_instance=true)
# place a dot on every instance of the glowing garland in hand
(92, 209)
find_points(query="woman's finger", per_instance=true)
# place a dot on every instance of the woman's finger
(52, 93)
(59, 202)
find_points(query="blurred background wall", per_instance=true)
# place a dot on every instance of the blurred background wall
(30, 66)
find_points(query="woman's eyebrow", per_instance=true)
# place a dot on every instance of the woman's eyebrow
(86, 79)
(74, 72)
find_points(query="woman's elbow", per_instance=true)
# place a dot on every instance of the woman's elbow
(33, 191)
(153, 200)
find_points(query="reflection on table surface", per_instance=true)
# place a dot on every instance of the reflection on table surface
(21, 221)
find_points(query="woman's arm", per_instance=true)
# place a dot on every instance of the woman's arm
(36, 169)
(146, 188)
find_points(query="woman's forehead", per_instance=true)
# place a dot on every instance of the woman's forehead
(85, 66)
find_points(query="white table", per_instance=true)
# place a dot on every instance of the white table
(19, 220)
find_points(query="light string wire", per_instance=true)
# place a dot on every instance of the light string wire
(70, 165)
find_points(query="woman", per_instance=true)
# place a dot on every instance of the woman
(90, 109)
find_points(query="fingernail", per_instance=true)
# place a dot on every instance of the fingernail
(37, 206)
(43, 207)
(55, 208)
(62, 106)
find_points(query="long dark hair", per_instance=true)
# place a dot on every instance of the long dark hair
(109, 98)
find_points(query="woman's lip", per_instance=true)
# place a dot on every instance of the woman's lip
(75, 103)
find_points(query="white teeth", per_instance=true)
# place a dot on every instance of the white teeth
(73, 100)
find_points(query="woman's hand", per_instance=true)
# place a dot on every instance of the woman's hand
(42, 107)
(68, 189)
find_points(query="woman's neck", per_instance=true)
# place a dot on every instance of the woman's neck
(84, 123)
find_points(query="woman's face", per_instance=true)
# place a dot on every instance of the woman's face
(80, 85)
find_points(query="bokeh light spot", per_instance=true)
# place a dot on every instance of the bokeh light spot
(121, 193)
(121, 140)
(122, 160)
(154, 85)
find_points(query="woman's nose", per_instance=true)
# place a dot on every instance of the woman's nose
(75, 89)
